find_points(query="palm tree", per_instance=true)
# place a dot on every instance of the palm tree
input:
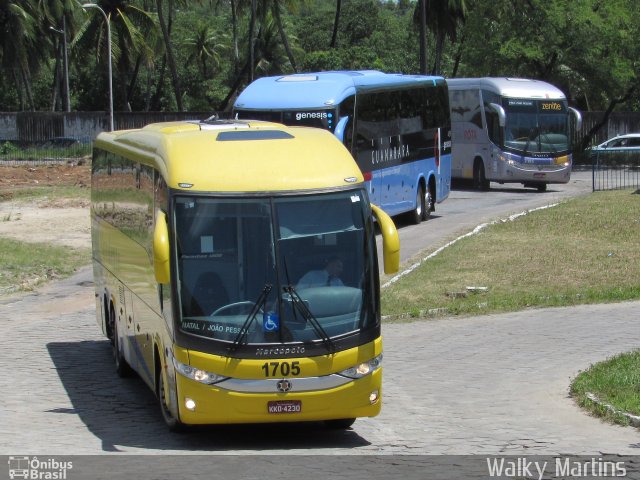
(204, 47)
(276, 5)
(59, 17)
(336, 22)
(166, 34)
(133, 31)
(442, 17)
(19, 49)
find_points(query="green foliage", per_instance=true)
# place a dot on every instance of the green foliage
(588, 48)
(614, 382)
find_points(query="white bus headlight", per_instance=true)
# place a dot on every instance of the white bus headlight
(196, 374)
(365, 368)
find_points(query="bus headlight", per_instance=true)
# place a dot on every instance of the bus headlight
(196, 374)
(365, 368)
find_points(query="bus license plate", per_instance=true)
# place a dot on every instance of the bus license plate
(284, 406)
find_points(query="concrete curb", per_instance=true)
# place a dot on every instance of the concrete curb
(633, 419)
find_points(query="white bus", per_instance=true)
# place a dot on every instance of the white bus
(510, 130)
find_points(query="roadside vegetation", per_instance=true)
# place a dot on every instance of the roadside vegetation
(26, 265)
(70, 194)
(584, 250)
(611, 388)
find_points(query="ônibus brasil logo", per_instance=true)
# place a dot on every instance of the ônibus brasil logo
(38, 469)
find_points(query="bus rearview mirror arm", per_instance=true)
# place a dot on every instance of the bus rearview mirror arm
(390, 240)
(502, 116)
(161, 248)
(578, 116)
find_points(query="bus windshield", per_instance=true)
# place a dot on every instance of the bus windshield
(536, 126)
(275, 270)
(323, 118)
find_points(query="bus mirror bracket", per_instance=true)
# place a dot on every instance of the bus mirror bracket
(340, 128)
(390, 240)
(578, 117)
(502, 116)
(161, 248)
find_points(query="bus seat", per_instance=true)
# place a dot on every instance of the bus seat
(208, 294)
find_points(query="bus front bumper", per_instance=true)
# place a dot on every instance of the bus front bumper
(209, 404)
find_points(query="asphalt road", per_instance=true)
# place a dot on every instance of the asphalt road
(491, 385)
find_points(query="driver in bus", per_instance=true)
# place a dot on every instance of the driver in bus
(329, 276)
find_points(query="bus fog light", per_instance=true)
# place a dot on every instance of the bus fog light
(190, 404)
(373, 397)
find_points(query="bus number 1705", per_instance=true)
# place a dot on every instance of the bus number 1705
(281, 369)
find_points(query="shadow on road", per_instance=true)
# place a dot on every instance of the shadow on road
(124, 412)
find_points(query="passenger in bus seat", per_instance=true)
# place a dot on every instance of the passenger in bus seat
(328, 276)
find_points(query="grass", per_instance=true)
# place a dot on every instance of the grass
(615, 381)
(584, 250)
(63, 192)
(25, 265)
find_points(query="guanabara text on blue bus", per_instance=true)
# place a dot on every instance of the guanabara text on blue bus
(236, 293)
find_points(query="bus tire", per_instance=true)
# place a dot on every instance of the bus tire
(339, 424)
(122, 367)
(479, 177)
(428, 204)
(172, 422)
(417, 215)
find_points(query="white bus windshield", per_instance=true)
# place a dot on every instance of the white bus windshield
(275, 270)
(536, 126)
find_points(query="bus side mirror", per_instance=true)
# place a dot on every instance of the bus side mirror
(578, 118)
(390, 240)
(161, 248)
(340, 129)
(502, 116)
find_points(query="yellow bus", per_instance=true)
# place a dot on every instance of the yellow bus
(236, 271)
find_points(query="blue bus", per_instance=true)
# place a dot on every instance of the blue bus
(397, 127)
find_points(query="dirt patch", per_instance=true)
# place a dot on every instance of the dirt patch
(55, 221)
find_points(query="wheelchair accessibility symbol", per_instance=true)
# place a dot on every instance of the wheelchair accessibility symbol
(270, 322)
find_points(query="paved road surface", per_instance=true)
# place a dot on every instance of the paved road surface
(488, 385)
(495, 384)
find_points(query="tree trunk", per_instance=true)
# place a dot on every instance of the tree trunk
(234, 30)
(586, 140)
(336, 22)
(422, 5)
(283, 35)
(252, 26)
(170, 59)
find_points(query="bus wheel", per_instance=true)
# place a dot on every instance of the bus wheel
(418, 212)
(339, 424)
(172, 422)
(122, 367)
(479, 179)
(428, 205)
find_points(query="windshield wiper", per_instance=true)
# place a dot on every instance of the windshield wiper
(299, 304)
(545, 136)
(260, 302)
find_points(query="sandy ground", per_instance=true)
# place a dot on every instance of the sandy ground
(60, 222)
